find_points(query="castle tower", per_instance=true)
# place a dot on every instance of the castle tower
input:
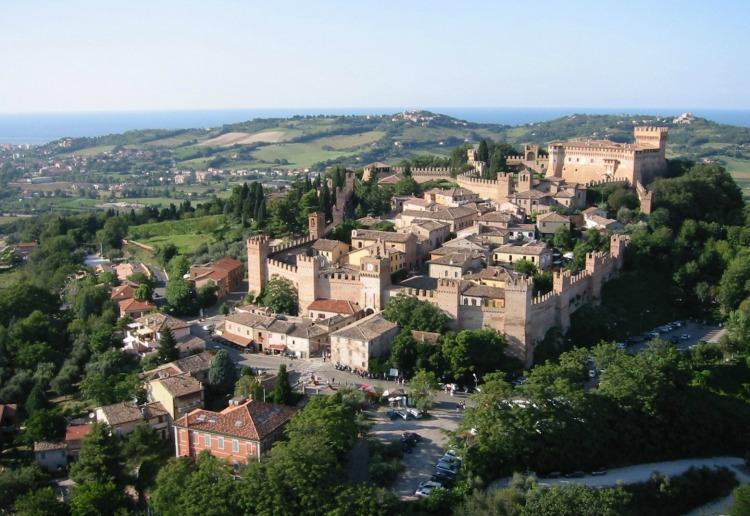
(518, 301)
(449, 297)
(257, 267)
(556, 160)
(471, 155)
(308, 269)
(316, 225)
(525, 181)
(530, 152)
(504, 186)
(653, 137)
(375, 277)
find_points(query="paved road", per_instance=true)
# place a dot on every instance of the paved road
(698, 333)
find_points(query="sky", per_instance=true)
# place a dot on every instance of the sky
(134, 55)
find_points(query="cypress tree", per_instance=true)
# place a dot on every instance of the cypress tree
(167, 346)
(282, 393)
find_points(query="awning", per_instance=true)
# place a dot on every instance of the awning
(278, 347)
(236, 339)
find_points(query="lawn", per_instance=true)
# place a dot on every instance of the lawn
(186, 243)
(349, 141)
(297, 154)
(90, 151)
(740, 170)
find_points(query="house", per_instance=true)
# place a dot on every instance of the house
(301, 336)
(196, 365)
(123, 417)
(593, 221)
(331, 250)
(417, 204)
(74, 435)
(225, 274)
(125, 270)
(493, 276)
(548, 223)
(243, 431)
(178, 394)
(525, 232)
(455, 264)
(456, 196)
(367, 338)
(135, 308)
(142, 336)
(497, 219)
(325, 308)
(52, 456)
(378, 249)
(457, 218)
(536, 252)
(404, 242)
(122, 292)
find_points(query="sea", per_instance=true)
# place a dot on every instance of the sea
(40, 128)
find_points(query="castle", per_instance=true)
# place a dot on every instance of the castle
(508, 306)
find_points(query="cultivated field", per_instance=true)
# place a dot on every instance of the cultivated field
(229, 139)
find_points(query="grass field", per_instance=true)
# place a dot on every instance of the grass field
(297, 154)
(185, 243)
(740, 170)
(91, 151)
(7, 220)
(349, 141)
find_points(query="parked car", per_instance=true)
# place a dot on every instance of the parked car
(425, 488)
(621, 345)
(576, 474)
(392, 414)
(592, 373)
(448, 466)
(403, 414)
(412, 436)
(685, 336)
(673, 339)
(599, 472)
(442, 476)
(553, 474)
(416, 413)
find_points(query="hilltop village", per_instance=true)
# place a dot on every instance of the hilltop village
(455, 248)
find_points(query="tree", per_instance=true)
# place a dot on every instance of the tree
(471, 354)
(222, 374)
(171, 483)
(483, 152)
(39, 502)
(404, 353)
(99, 459)
(563, 239)
(247, 387)
(96, 497)
(36, 400)
(413, 314)
(422, 389)
(741, 505)
(166, 252)
(179, 296)
(178, 266)
(525, 266)
(282, 393)
(141, 444)
(167, 346)
(143, 292)
(280, 296)
(207, 295)
(45, 425)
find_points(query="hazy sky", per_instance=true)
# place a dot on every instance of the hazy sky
(76, 55)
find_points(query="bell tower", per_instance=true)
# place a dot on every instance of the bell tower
(316, 225)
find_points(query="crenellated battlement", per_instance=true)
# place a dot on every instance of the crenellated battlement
(608, 181)
(445, 285)
(647, 129)
(278, 265)
(544, 298)
(425, 171)
(291, 244)
(467, 178)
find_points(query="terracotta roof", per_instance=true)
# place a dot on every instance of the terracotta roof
(389, 180)
(158, 322)
(323, 244)
(532, 248)
(442, 214)
(425, 336)
(484, 291)
(496, 216)
(180, 385)
(385, 236)
(41, 446)
(134, 305)
(123, 412)
(456, 191)
(491, 273)
(253, 420)
(236, 339)
(251, 320)
(77, 432)
(339, 306)
(189, 343)
(194, 363)
(227, 263)
(419, 202)
(552, 217)
(122, 291)
(430, 225)
(420, 282)
(153, 409)
(456, 259)
(366, 329)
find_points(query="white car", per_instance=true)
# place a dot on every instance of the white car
(425, 488)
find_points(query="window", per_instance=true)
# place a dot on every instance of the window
(207, 440)
(221, 443)
(455, 274)
(235, 446)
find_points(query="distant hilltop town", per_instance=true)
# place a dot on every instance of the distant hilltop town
(455, 248)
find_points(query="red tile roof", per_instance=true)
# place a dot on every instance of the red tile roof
(227, 263)
(122, 292)
(77, 432)
(253, 420)
(338, 306)
(133, 305)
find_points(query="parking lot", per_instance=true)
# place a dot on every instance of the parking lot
(419, 465)
(696, 332)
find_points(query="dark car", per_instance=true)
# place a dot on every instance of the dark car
(599, 472)
(392, 414)
(553, 474)
(442, 475)
(411, 436)
(576, 474)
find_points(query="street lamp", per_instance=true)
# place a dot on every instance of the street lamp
(476, 380)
